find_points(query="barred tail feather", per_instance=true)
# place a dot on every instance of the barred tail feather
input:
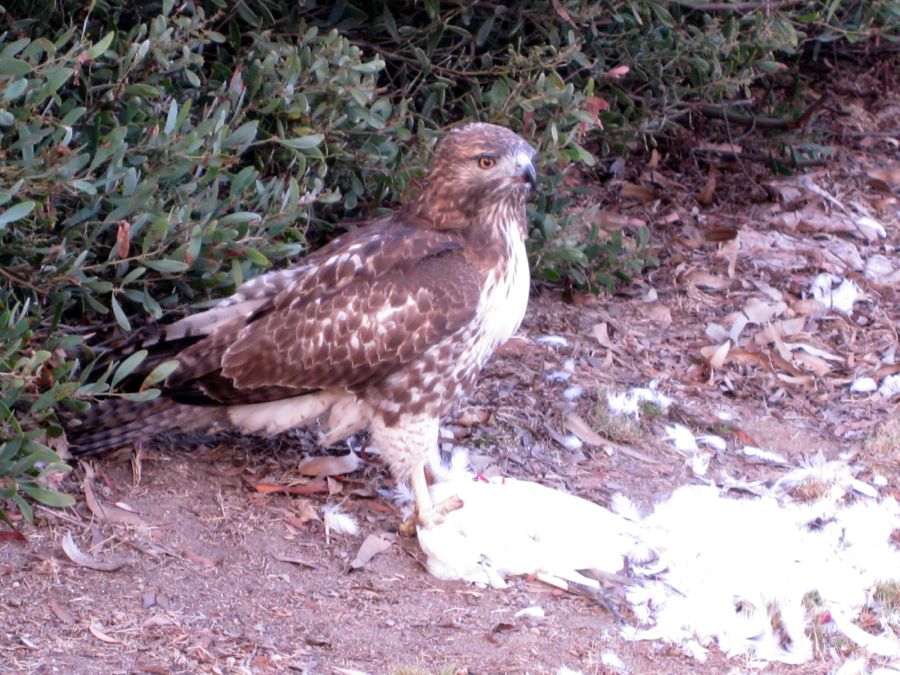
(117, 422)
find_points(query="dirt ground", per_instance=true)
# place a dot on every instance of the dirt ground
(227, 564)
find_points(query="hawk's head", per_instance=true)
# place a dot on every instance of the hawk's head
(476, 167)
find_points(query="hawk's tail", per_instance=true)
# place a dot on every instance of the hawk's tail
(117, 422)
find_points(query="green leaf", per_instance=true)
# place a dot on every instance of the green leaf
(302, 142)
(241, 217)
(167, 266)
(142, 396)
(15, 89)
(257, 258)
(128, 365)
(14, 67)
(770, 66)
(100, 48)
(16, 212)
(141, 89)
(48, 497)
(244, 134)
(372, 66)
(160, 373)
(121, 319)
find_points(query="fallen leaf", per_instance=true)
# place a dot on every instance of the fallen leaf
(12, 535)
(62, 613)
(108, 512)
(641, 193)
(372, 546)
(294, 561)
(159, 620)
(312, 487)
(583, 430)
(472, 417)
(707, 280)
(79, 557)
(716, 356)
(657, 312)
(199, 559)
(334, 465)
(600, 331)
(100, 635)
(706, 195)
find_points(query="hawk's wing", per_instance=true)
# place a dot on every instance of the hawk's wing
(360, 311)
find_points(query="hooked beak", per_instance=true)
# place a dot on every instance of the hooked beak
(525, 170)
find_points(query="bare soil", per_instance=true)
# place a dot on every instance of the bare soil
(222, 576)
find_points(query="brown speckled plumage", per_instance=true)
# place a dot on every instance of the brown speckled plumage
(383, 328)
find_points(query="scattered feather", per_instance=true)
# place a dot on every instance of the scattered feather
(707, 568)
(612, 660)
(573, 392)
(552, 340)
(842, 298)
(630, 402)
(863, 385)
(533, 612)
(765, 455)
(338, 522)
(713, 441)
(682, 438)
(890, 386)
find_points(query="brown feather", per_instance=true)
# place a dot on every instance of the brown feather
(387, 325)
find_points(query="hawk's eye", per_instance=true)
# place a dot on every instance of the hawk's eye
(487, 161)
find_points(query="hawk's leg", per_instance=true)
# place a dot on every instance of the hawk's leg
(406, 445)
(428, 515)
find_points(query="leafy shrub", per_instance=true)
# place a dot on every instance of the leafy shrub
(155, 157)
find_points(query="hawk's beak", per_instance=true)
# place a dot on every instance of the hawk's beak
(525, 170)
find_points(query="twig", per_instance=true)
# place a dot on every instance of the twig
(743, 6)
(21, 282)
(760, 157)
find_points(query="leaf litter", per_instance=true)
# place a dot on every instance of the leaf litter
(733, 330)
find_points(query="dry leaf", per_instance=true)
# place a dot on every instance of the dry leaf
(814, 364)
(583, 430)
(372, 546)
(294, 561)
(658, 312)
(100, 635)
(473, 417)
(706, 194)
(600, 331)
(761, 312)
(12, 535)
(890, 175)
(79, 557)
(707, 280)
(639, 192)
(335, 465)
(334, 487)
(109, 512)
(717, 356)
(199, 559)
(312, 487)
(159, 620)
(62, 613)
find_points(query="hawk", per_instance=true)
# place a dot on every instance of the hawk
(382, 329)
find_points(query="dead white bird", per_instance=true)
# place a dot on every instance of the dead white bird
(510, 527)
(707, 568)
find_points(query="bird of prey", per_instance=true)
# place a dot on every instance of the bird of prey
(383, 329)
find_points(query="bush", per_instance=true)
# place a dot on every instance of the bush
(155, 157)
